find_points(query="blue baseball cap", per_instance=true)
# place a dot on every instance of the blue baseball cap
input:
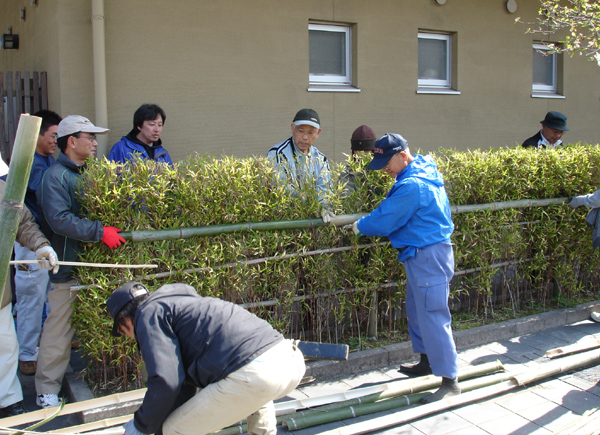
(385, 147)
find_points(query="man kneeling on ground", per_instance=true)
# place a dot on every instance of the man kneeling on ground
(187, 342)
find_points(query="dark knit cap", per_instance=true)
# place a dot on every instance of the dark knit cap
(363, 139)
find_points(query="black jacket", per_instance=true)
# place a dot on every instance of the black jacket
(185, 337)
(61, 215)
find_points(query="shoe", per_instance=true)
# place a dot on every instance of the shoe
(595, 316)
(47, 400)
(28, 367)
(14, 409)
(449, 388)
(421, 368)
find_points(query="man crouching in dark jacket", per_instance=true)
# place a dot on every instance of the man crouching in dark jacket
(187, 342)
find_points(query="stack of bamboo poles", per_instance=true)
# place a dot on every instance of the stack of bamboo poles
(477, 383)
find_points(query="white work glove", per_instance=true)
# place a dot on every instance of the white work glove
(576, 201)
(47, 258)
(327, 215)
(130, 429)
(354, 228)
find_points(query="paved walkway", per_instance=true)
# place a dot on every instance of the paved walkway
(542, 408)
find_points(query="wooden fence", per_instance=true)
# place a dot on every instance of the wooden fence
(20, 92)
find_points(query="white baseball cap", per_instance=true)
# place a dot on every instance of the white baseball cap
(74, 124)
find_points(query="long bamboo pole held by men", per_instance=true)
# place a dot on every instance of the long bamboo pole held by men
(16, 186)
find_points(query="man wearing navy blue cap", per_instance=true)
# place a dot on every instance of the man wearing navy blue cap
(554, 126)
(415, 217)
(239, 362)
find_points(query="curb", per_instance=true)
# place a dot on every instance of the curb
(371, 359)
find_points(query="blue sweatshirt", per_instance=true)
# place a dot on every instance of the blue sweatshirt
(416, 211)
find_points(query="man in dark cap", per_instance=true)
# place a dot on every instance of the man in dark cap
(415, 217)
(187, 342)
(361, 142)
(297, 160)
(554, 126)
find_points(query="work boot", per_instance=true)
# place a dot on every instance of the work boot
(449, 388)
(421, 368)
(28, 367)
(14, 409)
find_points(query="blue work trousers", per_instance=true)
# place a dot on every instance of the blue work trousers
(31, 286)
(428, 276)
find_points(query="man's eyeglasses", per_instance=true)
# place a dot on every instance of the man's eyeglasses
(91, 137)
(386, 167)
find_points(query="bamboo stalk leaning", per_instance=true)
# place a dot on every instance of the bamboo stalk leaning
(16, 186)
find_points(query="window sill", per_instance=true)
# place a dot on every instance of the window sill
(441, 91)
(332, 88)
(546, 95)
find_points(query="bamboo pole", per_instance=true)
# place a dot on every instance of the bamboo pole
(340, 220)
(80, 264)
(536, 374)
(574, 348)
(71, 408)
(324, 415)
(11, 206)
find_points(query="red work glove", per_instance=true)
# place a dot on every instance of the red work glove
(111, 237)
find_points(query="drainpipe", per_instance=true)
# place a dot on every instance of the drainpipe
(101, 105)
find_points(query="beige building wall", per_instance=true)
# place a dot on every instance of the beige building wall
(231, 74)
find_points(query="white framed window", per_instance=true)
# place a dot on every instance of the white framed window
(435, 60)
(330, 53)
(545, 70)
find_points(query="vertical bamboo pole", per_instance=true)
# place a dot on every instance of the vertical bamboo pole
(16, 185)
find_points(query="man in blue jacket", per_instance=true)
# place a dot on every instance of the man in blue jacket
(415, 217)
(62, 220)
(187, 342)
(144, 139)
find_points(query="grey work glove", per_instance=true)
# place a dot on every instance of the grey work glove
(130, 429)
(47, 258)
(327, 215)
(354, 228)
(576, 201)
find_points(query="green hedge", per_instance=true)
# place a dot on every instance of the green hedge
(549, 248)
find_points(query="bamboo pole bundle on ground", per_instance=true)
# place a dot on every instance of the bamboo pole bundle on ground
(16, 186)
(318, 407)
(533, 375)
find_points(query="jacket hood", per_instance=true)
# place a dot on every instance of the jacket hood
(423, 168)
(132, 136)
(173, 290)
(67, 162)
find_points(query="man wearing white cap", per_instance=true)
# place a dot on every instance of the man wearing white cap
(63, 223)
(297, 160)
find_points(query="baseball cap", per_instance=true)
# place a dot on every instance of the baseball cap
(307, 117)
(385, 147)
(74, 123)
(121, 297)
(363, 139)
